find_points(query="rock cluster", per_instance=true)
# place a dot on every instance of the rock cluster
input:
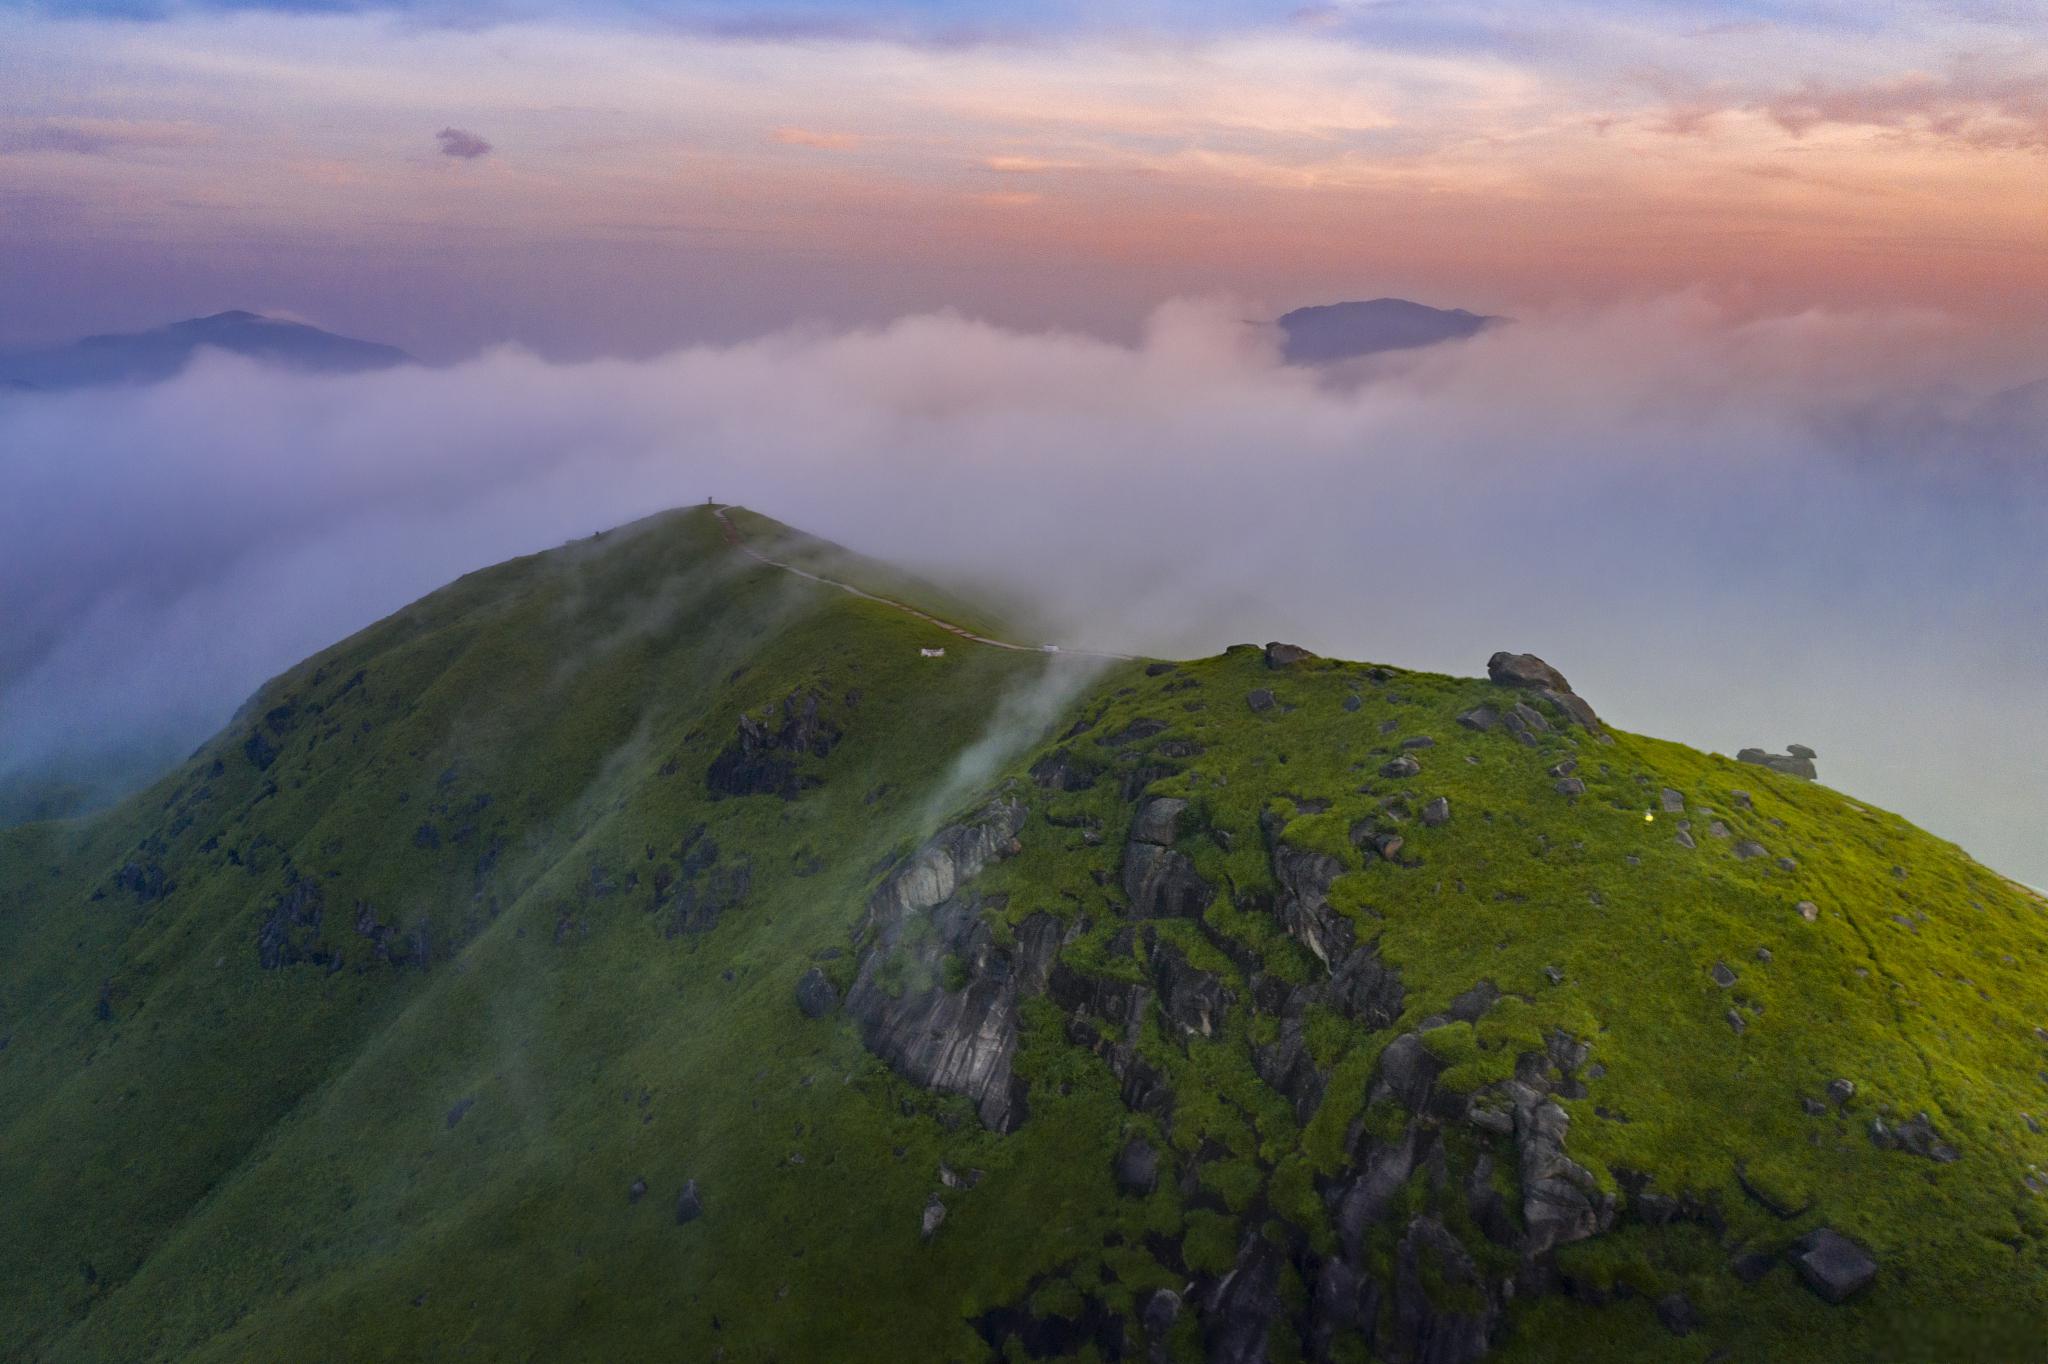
(1530, 673)
(1795, 761)
(760, 761)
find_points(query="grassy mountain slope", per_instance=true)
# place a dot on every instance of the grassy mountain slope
(446, 1005)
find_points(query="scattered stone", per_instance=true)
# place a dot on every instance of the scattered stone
(636, 1191)
(1677, 1314)
(1565, 768)
(1814, 1108)
(1786, 864)
(1741, 799)
(1917, 1136)
(1684, 840)
(1481, 718)
(1352, 701)
(1717, 829)
(815, 994)
(1749, 848)
(689, 1207)
(1280, 655)
(1403, 766)
(1437, 812)
(1137, 1168)
(1841, 1091)
(1260, 700)
(1808, 910)
(1736, 1021)
(1571, 786)
(934, 1216)
(1724, 976)
(1833, 1266)
(1554, 974)
(1673, 802)
(1763, 954)
(461, 1107)
(1418, 741)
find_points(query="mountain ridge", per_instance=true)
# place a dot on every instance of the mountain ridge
(600, 958)
(163, 352)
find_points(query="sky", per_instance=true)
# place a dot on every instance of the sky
(617, 178)
(983, 286)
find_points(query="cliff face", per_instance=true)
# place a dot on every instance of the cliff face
(583, 962)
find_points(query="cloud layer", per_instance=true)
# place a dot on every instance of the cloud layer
(1808, 528)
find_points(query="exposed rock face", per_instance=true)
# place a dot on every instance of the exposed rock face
(1161, 882)
(959, 1041)
(1530, 673)
(1239, 1309)
(1059, 771)
(291, 932)
(1432, 1297)
(1798, 763)
(765, 762)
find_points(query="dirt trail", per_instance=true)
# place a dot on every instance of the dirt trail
(739, 542)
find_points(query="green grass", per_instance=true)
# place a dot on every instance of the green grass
(237, 1163)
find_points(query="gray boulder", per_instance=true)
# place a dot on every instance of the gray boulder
(1403, 766)
(1437, 812)
(1530, 673)
(1136, 1170)
(815, 995)
(689, 1207)
(1832, 1265)
(1280, 655)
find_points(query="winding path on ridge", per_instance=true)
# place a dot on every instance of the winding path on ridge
(739, 542)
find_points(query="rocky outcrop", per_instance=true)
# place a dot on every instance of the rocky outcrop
(1280, 655)
(1160, 882)
(1796, 762)
(291, 930)
(1357, 984)
(956, 1040)
(1530, 673)
(760, 761)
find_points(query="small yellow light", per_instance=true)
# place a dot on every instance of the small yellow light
(1649, 816)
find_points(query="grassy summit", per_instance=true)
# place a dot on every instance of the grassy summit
(635, 951)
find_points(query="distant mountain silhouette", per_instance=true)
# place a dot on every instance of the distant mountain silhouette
(146, 357)
(1341, 331)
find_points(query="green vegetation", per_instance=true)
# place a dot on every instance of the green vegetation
(351, 1038)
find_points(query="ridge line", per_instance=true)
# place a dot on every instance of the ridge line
(738, 541)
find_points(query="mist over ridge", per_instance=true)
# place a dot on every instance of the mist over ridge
(1808, 528)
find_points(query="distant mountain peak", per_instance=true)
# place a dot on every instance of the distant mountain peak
(163, 352)
(1342, 331)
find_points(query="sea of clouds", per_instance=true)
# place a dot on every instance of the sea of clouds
(1826, 528)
